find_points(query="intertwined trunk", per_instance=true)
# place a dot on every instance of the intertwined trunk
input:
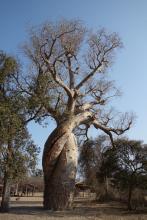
(59, 166)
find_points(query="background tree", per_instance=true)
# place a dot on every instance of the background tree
(38, 172)
(97, 163)
(17, 167)
(17, 151)
(67, 82)
(105, 172)
(122, 168)
(132, 167)
(90, 159)
(125, 166)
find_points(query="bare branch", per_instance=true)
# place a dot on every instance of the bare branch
(88, 76)
(52, 70)
(34, 116)
(59, 50)
(124, 125)
(71, 73)
(105, 129)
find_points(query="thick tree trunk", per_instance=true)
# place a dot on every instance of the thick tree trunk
(106, 188)
(6, 195)
(59, 166)
(130, 197)
(7, 180)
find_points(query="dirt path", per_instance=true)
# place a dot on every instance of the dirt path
(30, 208)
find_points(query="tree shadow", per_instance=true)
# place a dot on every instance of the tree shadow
(84, 209)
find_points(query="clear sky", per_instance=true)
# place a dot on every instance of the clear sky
(127, 17)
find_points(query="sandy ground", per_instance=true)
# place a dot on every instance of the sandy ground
(30, 208)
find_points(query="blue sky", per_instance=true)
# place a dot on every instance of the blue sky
(127, 17)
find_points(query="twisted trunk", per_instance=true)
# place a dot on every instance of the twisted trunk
(59, 166)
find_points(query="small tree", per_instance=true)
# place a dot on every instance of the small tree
(17, 160)
(123, 167)
(90, 158)
(132, 166)
(67, 82)
(97, 162)
(126, 165)
(106, 170)
(17, 151)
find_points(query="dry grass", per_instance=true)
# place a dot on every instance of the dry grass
(30, 208)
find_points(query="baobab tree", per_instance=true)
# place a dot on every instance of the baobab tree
(67, 81)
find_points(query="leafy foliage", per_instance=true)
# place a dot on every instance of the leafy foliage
(123, 168)
(132, 163)
(18, 153)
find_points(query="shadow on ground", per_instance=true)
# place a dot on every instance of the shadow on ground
(85, 209)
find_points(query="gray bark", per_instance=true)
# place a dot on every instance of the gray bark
(6, 195)
(59, 166)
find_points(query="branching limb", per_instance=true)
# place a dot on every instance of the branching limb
(99, 56)
(88, 76)
(104, 129)
(121, 127)
(82, 131)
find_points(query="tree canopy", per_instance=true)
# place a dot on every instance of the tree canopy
(67, 75)
(123, 168)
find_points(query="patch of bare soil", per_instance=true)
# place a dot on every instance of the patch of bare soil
(30, 208)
